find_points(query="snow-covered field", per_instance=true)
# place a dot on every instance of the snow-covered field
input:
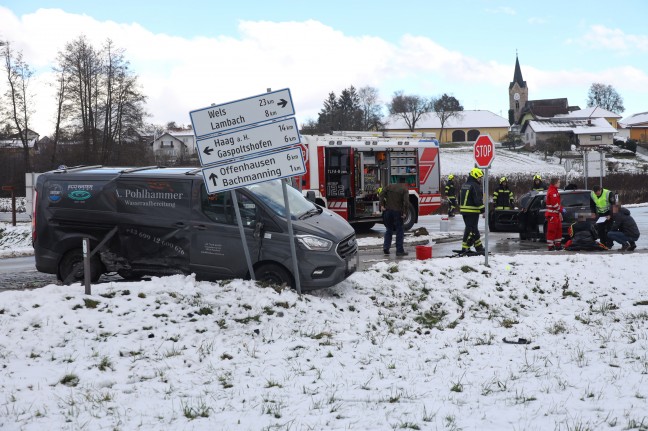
(409, 345)
(404, 345)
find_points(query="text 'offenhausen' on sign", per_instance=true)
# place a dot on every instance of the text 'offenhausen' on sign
(281, 164)
(241, 113)
(246, 142)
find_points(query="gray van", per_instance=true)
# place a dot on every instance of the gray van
(161, 221)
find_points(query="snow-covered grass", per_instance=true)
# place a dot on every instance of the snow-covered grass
(21, 204)
(15, 240)
(407, 345)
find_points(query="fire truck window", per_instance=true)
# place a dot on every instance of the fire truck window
(338, 178)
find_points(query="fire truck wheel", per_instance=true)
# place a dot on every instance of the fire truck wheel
(408, 221)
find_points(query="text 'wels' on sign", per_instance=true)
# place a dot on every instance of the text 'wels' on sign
(241, 113)
(484, 151)
(280, 164)
(242, 143)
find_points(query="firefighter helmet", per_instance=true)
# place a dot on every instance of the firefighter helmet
(476, 173)
(537, 177)
(503, 180)
(450, 177)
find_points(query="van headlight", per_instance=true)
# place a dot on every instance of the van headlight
(315, 243)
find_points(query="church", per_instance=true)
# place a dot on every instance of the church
(539, 120)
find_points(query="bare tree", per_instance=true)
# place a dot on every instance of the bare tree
(100, 101)
(606, 97)
(17, 104)
(410, 108)
(371, 108)
(446, 107)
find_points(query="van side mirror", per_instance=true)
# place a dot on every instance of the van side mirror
(258, 229)
(310, 195)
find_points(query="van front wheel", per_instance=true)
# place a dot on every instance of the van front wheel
(71, 267)
(273, 274)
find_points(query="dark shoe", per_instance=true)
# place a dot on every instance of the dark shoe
(625, 246)
(386, 252)
(401, 253)
(633, 245)
(551, 248)
(558, 248)
(480, 249)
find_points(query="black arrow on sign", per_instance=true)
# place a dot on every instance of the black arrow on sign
(213, 178)
(208, 151)
(282, 103)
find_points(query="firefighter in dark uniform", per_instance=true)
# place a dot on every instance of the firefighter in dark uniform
(451, 196)
(503, 196)
(538, 185)
(471, 205)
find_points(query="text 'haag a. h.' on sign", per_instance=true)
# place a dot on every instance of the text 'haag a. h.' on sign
(252, 170)
(247, 142)
(242, 113)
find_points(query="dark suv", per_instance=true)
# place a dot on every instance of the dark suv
(529, 220)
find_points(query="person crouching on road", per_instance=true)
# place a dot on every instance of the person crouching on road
(503, 196)
(471, 205)
(624, 228)
(451, 196)
(394, 201)
(553, 215)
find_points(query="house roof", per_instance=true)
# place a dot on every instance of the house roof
(591, 112)
(469, 119)
(168, 135)
(639, 119)
(577, 126)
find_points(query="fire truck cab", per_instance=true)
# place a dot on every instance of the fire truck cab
(347, 170)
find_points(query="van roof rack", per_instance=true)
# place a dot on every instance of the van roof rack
(61, 169)
(142, 168)
(194, 171)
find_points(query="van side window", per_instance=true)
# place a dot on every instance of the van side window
(218, 207)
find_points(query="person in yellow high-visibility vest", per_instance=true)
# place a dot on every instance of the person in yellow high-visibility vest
(601, 201)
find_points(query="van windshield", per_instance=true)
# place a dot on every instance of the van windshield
(270, 192)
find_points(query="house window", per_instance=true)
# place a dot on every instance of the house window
(596, 138)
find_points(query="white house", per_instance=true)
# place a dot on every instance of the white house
(589, 132)
(173, 145)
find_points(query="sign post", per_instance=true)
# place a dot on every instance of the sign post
(484, 152)
(248, 141)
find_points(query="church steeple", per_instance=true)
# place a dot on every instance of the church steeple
(517, 75)
(518, 94)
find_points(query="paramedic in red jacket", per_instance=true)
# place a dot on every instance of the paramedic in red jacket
(554, 216)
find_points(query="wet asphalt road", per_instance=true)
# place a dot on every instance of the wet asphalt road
(20, 272)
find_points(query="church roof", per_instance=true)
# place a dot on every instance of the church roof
(517, 75)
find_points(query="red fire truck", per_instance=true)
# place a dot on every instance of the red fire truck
(347, 170)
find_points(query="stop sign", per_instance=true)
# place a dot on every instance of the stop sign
(484, 151)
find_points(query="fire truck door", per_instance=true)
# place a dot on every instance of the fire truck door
(338, 179)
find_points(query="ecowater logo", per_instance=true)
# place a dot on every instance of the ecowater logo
(79, 195)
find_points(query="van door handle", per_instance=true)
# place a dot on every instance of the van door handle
(179, 224)
(200, 227)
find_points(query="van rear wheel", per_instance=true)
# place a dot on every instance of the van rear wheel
(273, 274)
(71, 267)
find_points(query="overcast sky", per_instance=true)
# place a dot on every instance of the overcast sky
(191, 54)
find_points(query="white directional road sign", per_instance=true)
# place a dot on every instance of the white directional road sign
(242, 113)
(242, 143)
(280, 164)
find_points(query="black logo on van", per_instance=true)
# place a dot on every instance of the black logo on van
(79, 195)
(55, 193)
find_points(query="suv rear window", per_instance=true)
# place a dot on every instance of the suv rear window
(575, 200)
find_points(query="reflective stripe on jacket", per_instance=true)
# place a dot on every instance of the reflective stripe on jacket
(471, 197)
(552, 202)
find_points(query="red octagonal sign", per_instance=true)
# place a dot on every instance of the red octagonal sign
(484, 151)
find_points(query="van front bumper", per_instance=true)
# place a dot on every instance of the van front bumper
(326, 270)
